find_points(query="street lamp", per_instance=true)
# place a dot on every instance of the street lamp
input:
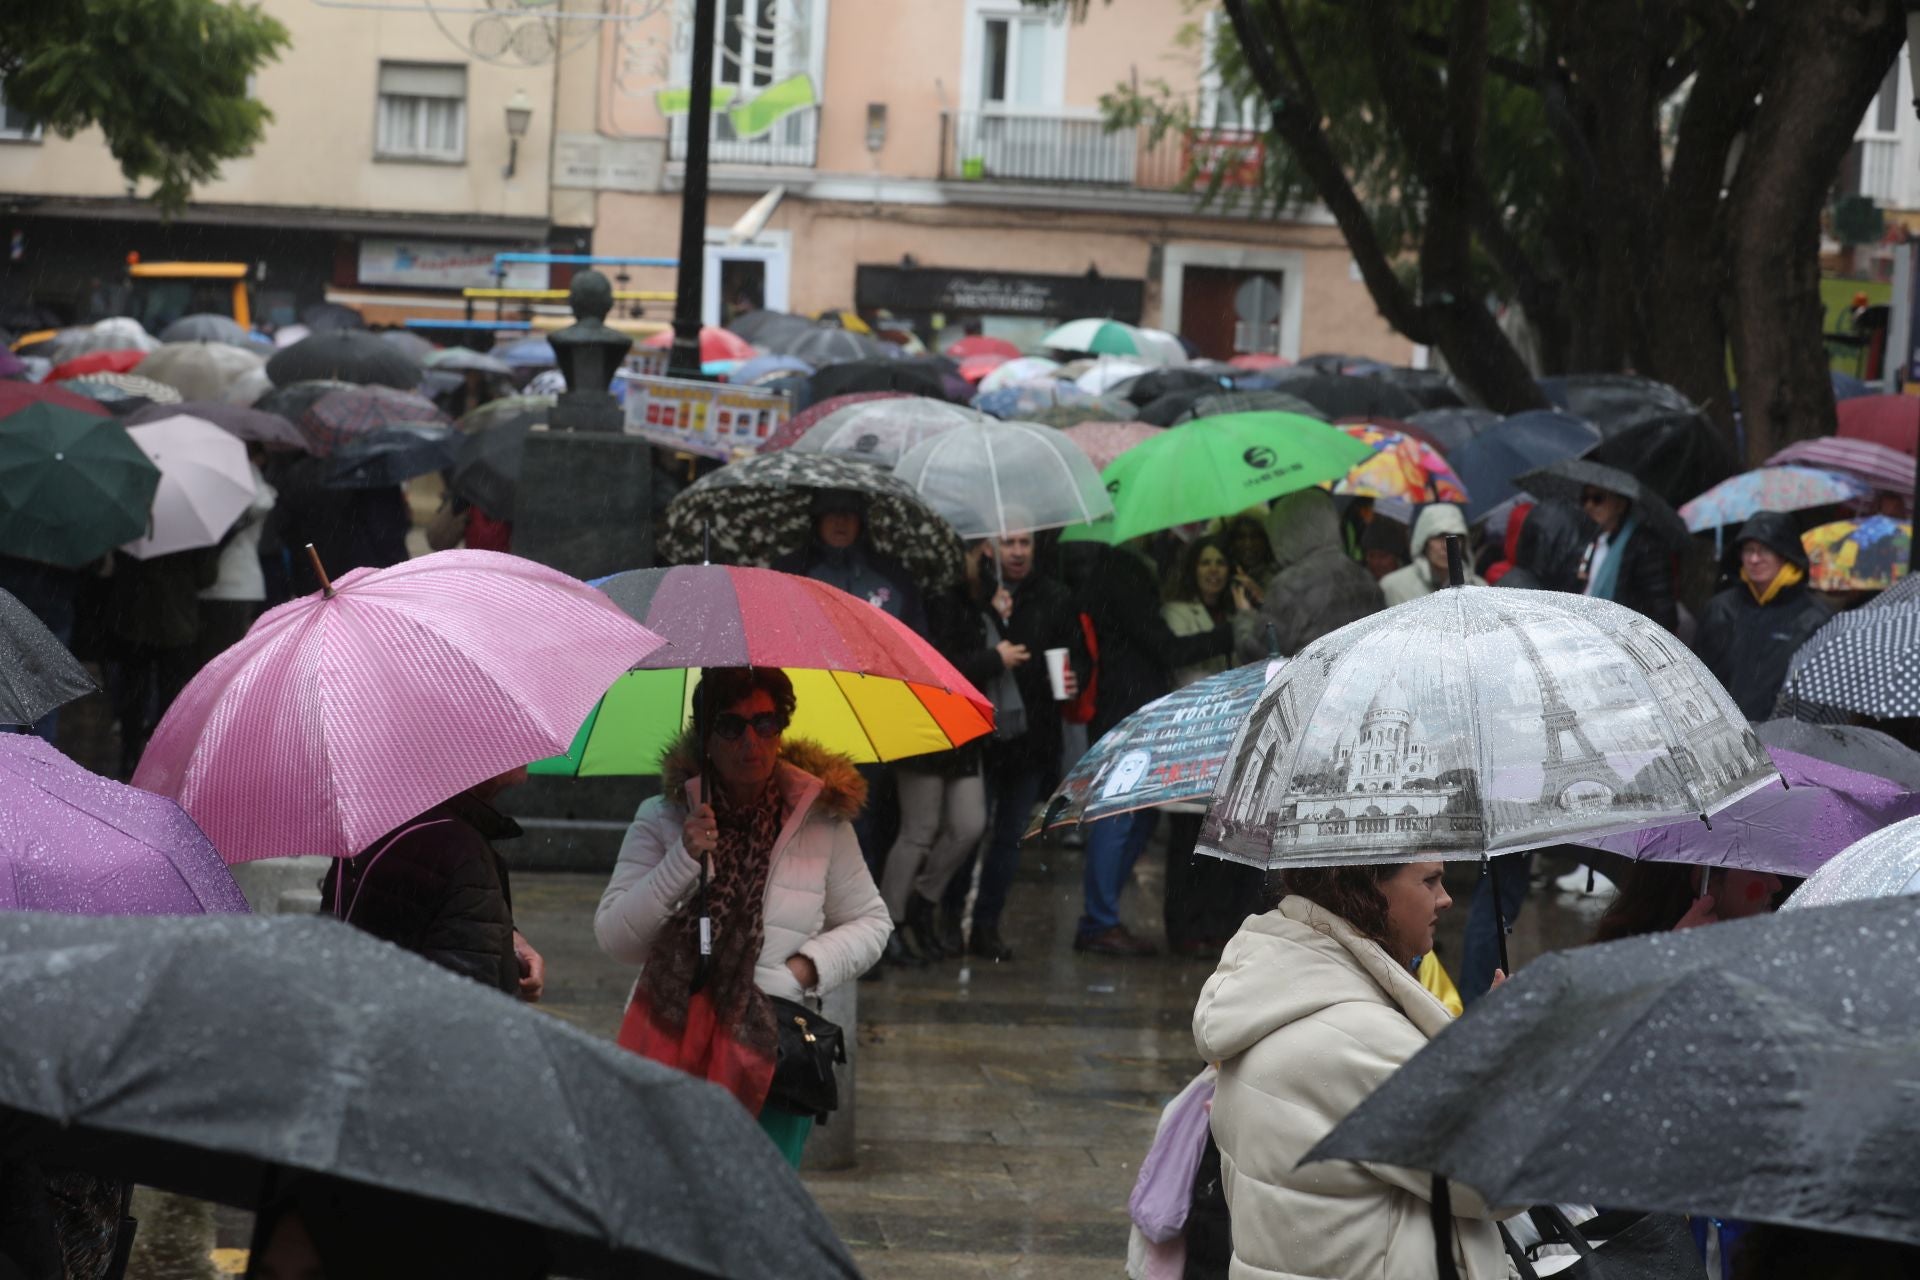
(519, 116)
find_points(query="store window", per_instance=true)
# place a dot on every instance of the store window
(767, 65)
(15, 124)
(423, 112)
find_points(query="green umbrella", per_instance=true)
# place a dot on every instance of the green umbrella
(73, 485)
(1214, 467)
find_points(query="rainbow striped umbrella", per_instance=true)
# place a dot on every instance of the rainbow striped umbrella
(866, 685)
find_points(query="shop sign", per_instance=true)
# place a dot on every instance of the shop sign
(442, 264)
(998, 293)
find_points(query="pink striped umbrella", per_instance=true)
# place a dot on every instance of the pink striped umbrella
(1102, 442)
(344, 714)
(1876, 464)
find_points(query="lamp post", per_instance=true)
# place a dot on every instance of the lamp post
(1913, 86)
(519, 116)
(684, 362)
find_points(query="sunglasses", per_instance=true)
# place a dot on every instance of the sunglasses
(767, 724)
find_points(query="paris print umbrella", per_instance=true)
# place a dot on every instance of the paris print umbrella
(881, 431)
(37, 673)
(1400, 467)
(1858, 555)
(1865, 661)
(1759, 1070)
(343, 714)
(866, 685)
(1733, 501)
(759, 509)
(989, 478)
(1477, 721)
(78, 843)
(1872, 464)
(1170, 750)
(1880, 864)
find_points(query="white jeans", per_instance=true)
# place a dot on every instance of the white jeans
(941, 820)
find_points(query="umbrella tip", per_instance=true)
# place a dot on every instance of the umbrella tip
(320, 572)
(1456, 560)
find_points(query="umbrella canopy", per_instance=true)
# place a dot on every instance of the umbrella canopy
(1105, 409)
(1488, 462)
(1892, 422)
(463, 360)
(198, 370)
(881, 431)
(1214, 467)
(989, 478)
(1108, 374)
(622, 1166)
(410, 344)
(486, 467)
(1168, 752)
(527, 353)
(286, 335)
(1734, 500)
(344, 355)
(77, 843)
(1018, 402)
(1023, 369)
(715, 344)
(821, 345)
(324, 317)
(96, 362)
(118, 391)
(1792, 832)
(342, 715)
(15, 396)
(1651, 430)
(1153, 384)
(1430, 387)
(506, 411)
(1863, 661)
(1260, 361)
(1112, 338)
(1851, 746)
(790, 431)
(208, 326)
(116, 333)
(249, 388)
(769, 328)
(759, 509)
(1858, 555)
(73, 486)
(1566, 480)
(761, 368)
(1476, 721)
(974, 368)
(206, 484)
(866, 685)
(1872, 464)
(1451, 428)
(979, 344)
(886, 374)
(11, 365)
(340, 416)
(1880, 864)
(1215, 403)
(1398, 467)
(37, 673)
(391, 456)
(246, 424)
(1340, 396)
(1756, 1070)
(1102, 442)
(292, 402)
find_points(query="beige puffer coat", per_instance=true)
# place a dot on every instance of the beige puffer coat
(1306, 1017)
(821, 901)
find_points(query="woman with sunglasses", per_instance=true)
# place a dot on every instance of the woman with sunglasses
(789, 908)
(1626, 563)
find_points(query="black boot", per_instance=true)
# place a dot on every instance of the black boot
(948, 931)
(923, 938)
(986, 943)
(899, 952)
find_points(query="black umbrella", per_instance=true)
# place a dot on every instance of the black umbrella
(1760, 1070)
(1218, 402)
(292, 401)
(1154, 383)
(219, 1053)
(1566, 479)
(248, 424)
(390, 456)
(37, 673)
(1651, 430)
(1452, 428)
(875, 375)
(769, 328)
(324, 316)
(1432, 388)
(347, 355)
(1863, 661)
(409, 344)
(1847, 745)
(822, 345)
(1340, 396)
(486, 466)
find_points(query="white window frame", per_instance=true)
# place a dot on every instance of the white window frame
(420, 154)
(1209, 110)
(32, 133)
(973, 51)
(774, 248)
(795, 141)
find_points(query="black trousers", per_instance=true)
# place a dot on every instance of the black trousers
(1207, 897)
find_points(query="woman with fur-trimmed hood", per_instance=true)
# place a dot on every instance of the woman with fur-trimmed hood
(793, 909)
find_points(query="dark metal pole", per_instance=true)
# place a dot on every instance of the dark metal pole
(1456, 560)
(684, 362)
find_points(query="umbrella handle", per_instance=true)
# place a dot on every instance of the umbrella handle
(1441, 1204)
(1456, 560)
(320, 572)
(1489, 870)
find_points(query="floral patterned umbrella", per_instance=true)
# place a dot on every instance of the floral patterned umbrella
(758, 509)
(1401, 467)
(1768, 489)
(1858, 555)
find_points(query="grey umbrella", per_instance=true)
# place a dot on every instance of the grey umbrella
(462, 360)
(1848, 745)
(208, 326)
(249, 424)
(37, 673)
(221, 1053)
(348, 355)
(391, 456)
(1566, 479)
(1759, 1069)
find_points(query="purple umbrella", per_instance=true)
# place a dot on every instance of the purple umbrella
(76, 843)
(1824, 808)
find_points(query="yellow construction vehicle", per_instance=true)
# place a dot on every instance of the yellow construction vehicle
(162, 292)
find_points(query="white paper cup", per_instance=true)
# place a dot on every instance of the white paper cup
(1057, 673)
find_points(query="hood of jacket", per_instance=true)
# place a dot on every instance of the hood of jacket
(1552, 541)
(843, 792)
(1300, 524)
(1292, 963)
(1435, 519)
(1773, 530)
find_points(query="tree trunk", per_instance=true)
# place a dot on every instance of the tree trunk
(1828, 60)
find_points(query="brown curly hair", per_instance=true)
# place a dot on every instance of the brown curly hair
(729, 685)
(1352, 893)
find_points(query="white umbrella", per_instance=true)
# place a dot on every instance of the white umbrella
(205, 485)
(992, 478)
(199, 370)
(246, 389)
(883, 431)
(116, 333)
(1109, 372)
(1017, 371)
(284, 338)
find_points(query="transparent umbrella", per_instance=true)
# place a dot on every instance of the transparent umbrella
(1880, 865)
(991, 478)
(883, 430)
(1478, 721)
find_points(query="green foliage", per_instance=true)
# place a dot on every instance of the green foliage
(164, 80)
(1857, 220)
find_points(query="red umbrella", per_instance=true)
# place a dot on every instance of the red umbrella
(1893, 421)
(1259, 360)
(15, 396)
(96, 362)
(715, 344)
(974, 368)
(978, 344)
(797, 425)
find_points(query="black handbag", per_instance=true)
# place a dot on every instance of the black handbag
(809, 1048)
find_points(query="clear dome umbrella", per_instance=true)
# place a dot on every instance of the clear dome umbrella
(1882, 865)
(883, 430)
(991, 478)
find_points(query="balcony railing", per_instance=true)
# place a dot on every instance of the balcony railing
(1061, 150)
(790, 142)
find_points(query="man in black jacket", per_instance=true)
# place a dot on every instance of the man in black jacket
(1138, 653)
(1749, 632)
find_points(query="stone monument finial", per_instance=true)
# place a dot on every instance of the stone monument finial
(588, 353)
